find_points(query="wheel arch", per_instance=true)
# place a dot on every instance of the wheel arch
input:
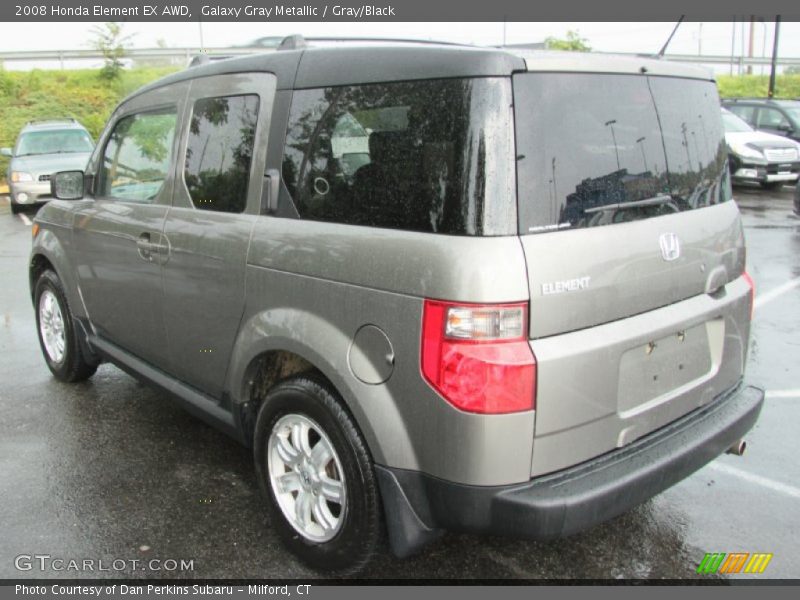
(285, 342)
(49, 252)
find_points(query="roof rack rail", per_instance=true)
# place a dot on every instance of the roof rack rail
(292, 42)
(297, 41)
(54, 120)
(204, 59)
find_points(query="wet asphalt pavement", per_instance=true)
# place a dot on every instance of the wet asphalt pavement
(111, 470)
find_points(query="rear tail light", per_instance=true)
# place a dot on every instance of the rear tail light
(752, 285)
(478, 357)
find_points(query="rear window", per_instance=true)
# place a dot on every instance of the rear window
(433, 156)
(598, 149)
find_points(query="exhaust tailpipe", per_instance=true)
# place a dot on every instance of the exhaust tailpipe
(737, 448)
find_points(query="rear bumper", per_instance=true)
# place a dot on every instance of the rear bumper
(418, 506)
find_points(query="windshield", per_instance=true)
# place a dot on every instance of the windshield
(54, 141)
(598, 149)
(734, 124)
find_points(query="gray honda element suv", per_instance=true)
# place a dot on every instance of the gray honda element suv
(433, 288)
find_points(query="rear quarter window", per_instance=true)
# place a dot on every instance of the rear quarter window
(433, 156)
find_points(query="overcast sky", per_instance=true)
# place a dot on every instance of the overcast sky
(709, 37)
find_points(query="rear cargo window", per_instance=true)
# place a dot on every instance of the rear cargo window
(598, 149)
(433, 156)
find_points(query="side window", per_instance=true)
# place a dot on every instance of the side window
(219, 152)
(417, 156)
(771, 118)
(744, 112)
(136, 158)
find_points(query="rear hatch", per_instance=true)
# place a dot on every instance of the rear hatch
(633, 251)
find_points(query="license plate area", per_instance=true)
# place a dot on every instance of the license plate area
(660, 369)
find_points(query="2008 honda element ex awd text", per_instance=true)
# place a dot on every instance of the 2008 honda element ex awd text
(434, 288)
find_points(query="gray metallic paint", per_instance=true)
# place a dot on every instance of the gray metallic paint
(308, 287)
(204, 278)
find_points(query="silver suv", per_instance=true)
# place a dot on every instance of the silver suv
(433, 288)
(42, 148)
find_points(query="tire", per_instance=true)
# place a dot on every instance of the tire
(772, 186)
(346, 547)
(69, 365)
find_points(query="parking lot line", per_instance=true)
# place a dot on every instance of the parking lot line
(769, 296)
(776, 486)
(783, 394)
(25, 219)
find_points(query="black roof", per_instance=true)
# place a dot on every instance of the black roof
(313, 67)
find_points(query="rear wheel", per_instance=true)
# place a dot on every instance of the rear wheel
(314, 468)
(57, 336)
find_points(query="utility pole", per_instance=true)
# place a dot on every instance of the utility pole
(771, 91)
(700, 39)
(752, 41)
(733, 42)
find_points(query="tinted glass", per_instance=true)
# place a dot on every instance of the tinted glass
(771, 118)
(433, 156)
(136, 158)
(590, 149)
(54, 141)
(734, 124)
(743, 112)
(219, 152)
(793, 112)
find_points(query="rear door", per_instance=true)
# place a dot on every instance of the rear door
(217, 198)
(118, 231)
(624, 207)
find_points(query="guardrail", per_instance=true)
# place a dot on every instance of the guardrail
(186, 54)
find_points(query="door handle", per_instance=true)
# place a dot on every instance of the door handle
(151, 251)
(270, 191)
(146, 248)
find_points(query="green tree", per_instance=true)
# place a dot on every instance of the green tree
(573, 43)
(110, 42)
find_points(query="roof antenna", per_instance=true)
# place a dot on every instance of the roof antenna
(669, 39)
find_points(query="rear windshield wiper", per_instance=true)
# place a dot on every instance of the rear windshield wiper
(654, 201)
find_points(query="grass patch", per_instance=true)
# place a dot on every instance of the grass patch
(80, 94)
(756, 86)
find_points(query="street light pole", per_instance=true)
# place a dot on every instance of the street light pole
(641, 147)
(614, 138)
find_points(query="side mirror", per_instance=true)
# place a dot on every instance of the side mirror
(67, 185)
(6, 152)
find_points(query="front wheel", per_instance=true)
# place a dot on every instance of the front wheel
(57, 336)
(314, 468)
